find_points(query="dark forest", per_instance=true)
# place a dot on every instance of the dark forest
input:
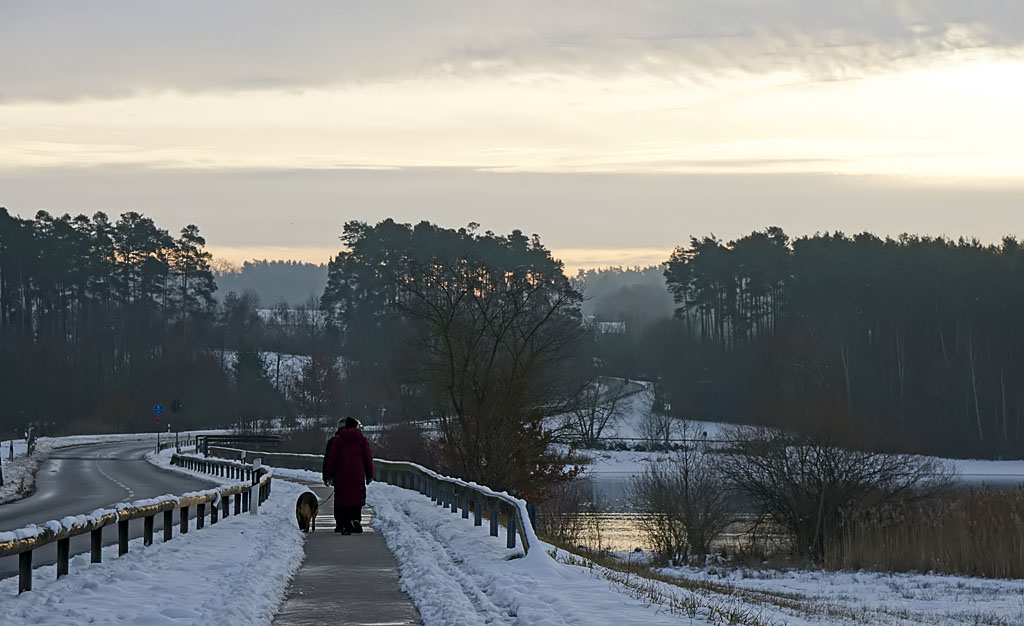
(909, 344)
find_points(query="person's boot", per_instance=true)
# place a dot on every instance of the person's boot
(343, 529)
(357, 527)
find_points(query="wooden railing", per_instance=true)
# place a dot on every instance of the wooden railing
(452, 493)
(25, 540)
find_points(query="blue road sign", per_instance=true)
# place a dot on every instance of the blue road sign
(158, 409)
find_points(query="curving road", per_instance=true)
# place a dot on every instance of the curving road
(84, 478)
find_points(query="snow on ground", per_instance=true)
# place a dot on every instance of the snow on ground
(232, 573)
(19, 473)
(621, 464)
(457, 573)
(825, 598)
(284, 369)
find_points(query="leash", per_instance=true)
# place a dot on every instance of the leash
(321, 503)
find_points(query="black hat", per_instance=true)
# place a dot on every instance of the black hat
(351, 422)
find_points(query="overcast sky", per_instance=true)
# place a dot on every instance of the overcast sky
(614, 129)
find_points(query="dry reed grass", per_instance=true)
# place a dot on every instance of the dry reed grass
(972, 533)
(568, 518)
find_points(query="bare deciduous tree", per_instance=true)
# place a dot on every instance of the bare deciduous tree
(809, 484)
(683, 503)
(600, 405)
(495, 346)
(657, 427)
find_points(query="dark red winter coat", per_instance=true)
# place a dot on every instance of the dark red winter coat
(350, 464)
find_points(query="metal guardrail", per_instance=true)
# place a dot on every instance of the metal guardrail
(203, 442)
(34, 537)
(311, 462)
(452, 493)
(188, 442)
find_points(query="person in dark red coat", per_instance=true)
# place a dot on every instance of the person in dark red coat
(350, 465)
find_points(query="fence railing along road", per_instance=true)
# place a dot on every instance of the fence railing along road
(24, 541)
(453, 493)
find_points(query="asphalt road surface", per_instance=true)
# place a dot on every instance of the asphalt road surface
(84, 478)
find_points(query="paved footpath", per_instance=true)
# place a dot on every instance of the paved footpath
(345, 579)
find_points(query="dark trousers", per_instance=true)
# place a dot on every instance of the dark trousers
(345, 515)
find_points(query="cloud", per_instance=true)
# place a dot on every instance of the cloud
(599, 219)
(103, 49)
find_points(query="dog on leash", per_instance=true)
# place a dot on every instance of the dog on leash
(306, 508)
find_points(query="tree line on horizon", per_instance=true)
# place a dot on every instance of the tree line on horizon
(910, 343)
(102, 319)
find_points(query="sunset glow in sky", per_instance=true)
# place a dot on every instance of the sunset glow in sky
(614, 130)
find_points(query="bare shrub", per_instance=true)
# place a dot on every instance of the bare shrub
(810, 485)
(570, 517)
(658, 427)
(308, 439)
(972, 533)
(682, 504)
(407, 442)
(599, 406)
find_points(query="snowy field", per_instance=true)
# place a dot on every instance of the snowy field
(820, 597)
(204, 577)
(456, 573)
(621, 464)
(19, 473)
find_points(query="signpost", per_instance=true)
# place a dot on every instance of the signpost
(158, 410)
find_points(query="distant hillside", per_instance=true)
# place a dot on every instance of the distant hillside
(292, 281)
(625, 294)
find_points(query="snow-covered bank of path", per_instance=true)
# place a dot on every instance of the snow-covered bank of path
(457, 573)
(231, 573)
(235, 573)
(826, 598)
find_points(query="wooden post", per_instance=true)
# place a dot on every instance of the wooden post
(183, 518)
(494, 520)
(245, 501)
(224, 504)
(147, 530)
(97, 545)
(63, 554)
(200, 515)
(122, 538)
(478, 512)
(531, 510)
(213, 512)
(454, 497)
(510, 539)
(238, 503)
(465, 503)
(25, 571)
(168, 524)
